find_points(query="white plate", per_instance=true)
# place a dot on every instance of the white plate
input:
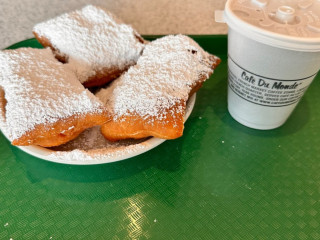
(111, 152)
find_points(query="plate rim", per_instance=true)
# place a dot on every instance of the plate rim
(45, 154)
(148, 145)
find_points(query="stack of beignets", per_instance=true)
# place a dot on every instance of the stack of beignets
(96, 44)
(150, 98)
(44, 102)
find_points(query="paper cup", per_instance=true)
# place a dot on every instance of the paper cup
(273, 57)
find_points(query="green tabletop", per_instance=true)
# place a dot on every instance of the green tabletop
(221, 180)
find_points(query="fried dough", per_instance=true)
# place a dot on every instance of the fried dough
(150, 98)
(42, 102)
(95, 43)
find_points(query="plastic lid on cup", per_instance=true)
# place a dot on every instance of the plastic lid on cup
(289, 24)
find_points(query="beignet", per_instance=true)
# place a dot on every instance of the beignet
(150, 98)
(95, 43)
(42, 101)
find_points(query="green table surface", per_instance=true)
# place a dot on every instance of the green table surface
(221, 180)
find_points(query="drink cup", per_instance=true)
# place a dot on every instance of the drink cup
(273, 56)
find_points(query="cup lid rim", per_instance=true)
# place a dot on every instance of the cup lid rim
(269, 37)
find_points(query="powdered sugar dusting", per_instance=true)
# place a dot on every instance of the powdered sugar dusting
(92, 139)
(92, 39)
(99, 155)
(91, 145)
(40, 90)
(164, 75)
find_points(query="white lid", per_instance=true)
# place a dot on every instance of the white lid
(289, 24)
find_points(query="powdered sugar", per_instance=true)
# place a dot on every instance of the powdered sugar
(40, 90)
(92, 39)
(91, 145)
(164, 75)
(98, 156)
(92, 139)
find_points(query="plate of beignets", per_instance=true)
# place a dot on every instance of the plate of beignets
(90, 147)
(48, 111)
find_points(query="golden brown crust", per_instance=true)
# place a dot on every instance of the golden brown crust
(101, 77)
(62, 131)
(46, 43)
(62, 109)
(136, 127)
(104, 76)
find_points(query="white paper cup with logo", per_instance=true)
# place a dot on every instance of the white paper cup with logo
(273, 56)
